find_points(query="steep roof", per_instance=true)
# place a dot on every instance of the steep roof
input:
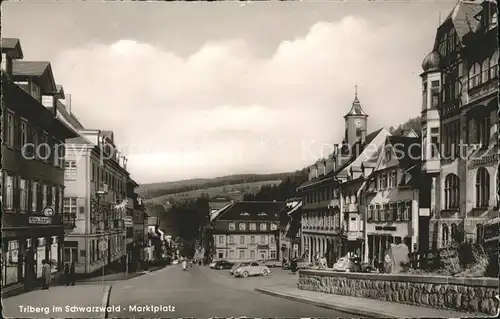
(29, 68)
(462, 17)
(249, 210)
(13, 47)
(356, 108)
(408, 147)
(358, 148)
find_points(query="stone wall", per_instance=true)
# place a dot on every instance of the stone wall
(460, 294)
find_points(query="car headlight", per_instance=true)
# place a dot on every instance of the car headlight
(238, 270)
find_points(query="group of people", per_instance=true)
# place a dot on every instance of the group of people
(69, 274)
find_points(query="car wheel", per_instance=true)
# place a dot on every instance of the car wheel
(245, 274)
(220, 267)
(264, 272)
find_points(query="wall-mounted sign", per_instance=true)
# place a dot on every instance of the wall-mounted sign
(48, 211)
(128, 221)
(39, 220)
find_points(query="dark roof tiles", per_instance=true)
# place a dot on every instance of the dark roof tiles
(248, 210)
(29, 68)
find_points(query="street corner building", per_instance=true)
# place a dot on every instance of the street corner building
(247, 230)
(100, 194)
(290, 230)
(460, 124)
(34, 221)
(332, 222)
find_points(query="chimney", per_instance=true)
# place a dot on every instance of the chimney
(68, 102)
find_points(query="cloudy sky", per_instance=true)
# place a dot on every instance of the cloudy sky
(211, 89)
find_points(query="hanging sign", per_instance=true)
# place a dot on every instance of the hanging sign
(39, 220)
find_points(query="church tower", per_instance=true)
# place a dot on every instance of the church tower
(355, 122)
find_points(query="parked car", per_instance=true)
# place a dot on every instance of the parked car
(254, 269)
(238, 265)
(222, 264)
(271, 263)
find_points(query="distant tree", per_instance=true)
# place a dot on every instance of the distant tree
(411, 124)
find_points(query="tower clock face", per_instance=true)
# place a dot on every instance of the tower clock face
(358, 123)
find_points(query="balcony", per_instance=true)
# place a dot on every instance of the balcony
(482, 90)
(431, 166)
(354, 235)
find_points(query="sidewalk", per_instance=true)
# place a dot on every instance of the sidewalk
(360, 306)
(119, 276)
(59, 302)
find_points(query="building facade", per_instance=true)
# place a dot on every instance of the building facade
(393, 200)
(460, 123)
(96, 179)
(32, 175)
(290, 235)
(247, 230)
(331, 195)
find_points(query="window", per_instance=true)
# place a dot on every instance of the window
(479, 234)
(43, 148)
(44, 196)
(70, 170)
(369, 213)
(242, 226)
(24, 133)
(273, 254)
(388, 153)
(10, 131)
(263, 227)
(384, 180)
(393, 179)
(445, 235)
(253, 226)
(252, 254)
(451, 138)
(9, 267)
(485, 70)
(262, 240)
(232, 226)
(242, 254)
(407, 211)
(424, 96)
(23, 195)
(252, 239)
(272, 239)
(70, 206)
(474, 75)
(383, 215)
(231, 239)
(34, 196)
(482, 187)
(9, 192)
(494, 65)
(274, 226)
(483, 130)
(221, 239)
(451, 191)
(242, 240)
(221, 255)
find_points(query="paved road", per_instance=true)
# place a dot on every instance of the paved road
(203, 293)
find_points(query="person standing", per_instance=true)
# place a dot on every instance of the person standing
(66, 274)
(72, 275)
(46, 273)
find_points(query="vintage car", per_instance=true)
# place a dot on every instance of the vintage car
(271, 263)
(221, 264)
(253, 269)
(351, 265)
(238, 265)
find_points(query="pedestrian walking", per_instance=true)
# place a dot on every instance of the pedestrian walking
(66, 274)
(72, 275)
(46, 273)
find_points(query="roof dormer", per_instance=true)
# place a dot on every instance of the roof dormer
(35, 77)
(244, 214)
(262, 214)
(11, 50)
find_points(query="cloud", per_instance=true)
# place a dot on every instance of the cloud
(225, 110)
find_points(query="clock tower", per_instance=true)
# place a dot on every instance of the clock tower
(355, 122)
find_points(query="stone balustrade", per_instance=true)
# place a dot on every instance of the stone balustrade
(475, 295)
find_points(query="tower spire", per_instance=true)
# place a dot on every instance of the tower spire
(356, 91)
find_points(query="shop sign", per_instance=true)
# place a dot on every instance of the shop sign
(485, 160)
(39, 220)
